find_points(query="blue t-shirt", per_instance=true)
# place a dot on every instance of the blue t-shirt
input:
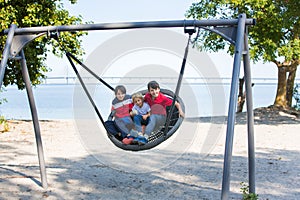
(142, 110)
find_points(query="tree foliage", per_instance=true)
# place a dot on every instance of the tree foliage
(275, 37)
(33, 13)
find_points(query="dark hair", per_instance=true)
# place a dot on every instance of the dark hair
(121, 88)
(153, 84)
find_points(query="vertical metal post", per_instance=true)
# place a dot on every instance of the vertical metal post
(232, 106)
(6, 50)
(250, 119)
(35, 120)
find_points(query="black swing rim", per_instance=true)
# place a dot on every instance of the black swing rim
(114, 140)
(153, 143)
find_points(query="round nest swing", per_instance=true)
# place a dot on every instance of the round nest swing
(158, 136)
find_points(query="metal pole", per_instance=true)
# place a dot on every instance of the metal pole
(35, 120)
(232, 106)
(130, 25)
(250, 119)
(6, 51)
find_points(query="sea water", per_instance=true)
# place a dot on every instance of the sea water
(56, 101)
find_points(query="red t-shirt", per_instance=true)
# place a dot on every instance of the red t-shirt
(123, 107)
(159, 104)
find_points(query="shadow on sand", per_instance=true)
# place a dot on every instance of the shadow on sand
(189, 177)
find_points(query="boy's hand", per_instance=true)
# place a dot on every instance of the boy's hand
(133, 113)
(145, 117)
(181, 114)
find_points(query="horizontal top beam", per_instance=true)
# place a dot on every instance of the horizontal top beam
(129, 25)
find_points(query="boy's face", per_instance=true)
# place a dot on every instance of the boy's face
(120, 95)
(154, 92)
(138, 102)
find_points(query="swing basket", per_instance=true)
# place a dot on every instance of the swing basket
(158, 136)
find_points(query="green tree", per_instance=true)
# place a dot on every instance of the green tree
(275, 38)
(32, 13)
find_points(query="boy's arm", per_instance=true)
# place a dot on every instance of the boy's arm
(111, 116)
(146, 115)
(133, 111)
(178, 106)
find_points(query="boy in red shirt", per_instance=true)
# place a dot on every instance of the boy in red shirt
(158, 103)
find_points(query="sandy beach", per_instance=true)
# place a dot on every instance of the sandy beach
(191, 169)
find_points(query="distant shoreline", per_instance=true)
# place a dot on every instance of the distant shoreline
(262, 115)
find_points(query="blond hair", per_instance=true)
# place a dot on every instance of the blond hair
(137, 95)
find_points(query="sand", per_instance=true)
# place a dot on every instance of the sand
(190, 170)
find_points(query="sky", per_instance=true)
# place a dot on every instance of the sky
(140, 10)
(116, 11)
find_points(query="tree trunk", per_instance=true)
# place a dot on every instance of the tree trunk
(280, 99)
(241, 96)
(290, 85)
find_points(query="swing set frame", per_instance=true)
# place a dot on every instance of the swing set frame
(233, 30)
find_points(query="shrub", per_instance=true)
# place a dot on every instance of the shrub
(246, 194)
(4, 127)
